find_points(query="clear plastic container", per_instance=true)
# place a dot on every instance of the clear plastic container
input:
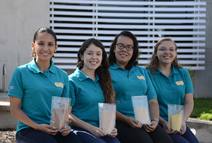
(175, 116)
(141, 109)
(107, 117)
(60, 110)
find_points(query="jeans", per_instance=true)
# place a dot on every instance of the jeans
(29, 135)
(128, 134)
(187, 137)
(88, 137)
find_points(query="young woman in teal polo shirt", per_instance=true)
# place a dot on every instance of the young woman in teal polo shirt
(173, 85)
(90, 84)
(31, 89)
(130, 80)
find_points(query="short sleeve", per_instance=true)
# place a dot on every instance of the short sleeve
(66, 86)
(72, 91)
(188, 82)
(16, 86)
(151, 93)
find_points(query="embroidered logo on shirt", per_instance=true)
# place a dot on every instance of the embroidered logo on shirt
(59, 84)
(180, 82)
(141, 77)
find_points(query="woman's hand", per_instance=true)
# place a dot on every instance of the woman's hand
(134, 123)
(165, 126)
(46, 128)
(65, 130)
(170, 130)
(97, 131)
(183, 128)
(151, 127)
(114, 132)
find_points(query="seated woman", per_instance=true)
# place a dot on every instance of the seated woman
(31, 90)
(90, 84)
(131, 80)
(173, 86)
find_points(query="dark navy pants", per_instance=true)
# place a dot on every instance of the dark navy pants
(87, 137)
(187, 137)
(128, 134)
(30, 135)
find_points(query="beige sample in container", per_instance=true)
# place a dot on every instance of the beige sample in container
(107, 117)
(141, 109)
(175, 113)
(60, 111)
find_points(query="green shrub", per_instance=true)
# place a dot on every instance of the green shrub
(206, 116)
(202, 108)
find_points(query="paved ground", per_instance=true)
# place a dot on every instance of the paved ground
(7, 136)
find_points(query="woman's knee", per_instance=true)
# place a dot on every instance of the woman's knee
(29, 135)
(109, 139)
(87, 137)
(190, 136)
(177, 138)
(160, 135)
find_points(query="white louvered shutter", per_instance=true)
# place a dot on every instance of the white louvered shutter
(74, 21)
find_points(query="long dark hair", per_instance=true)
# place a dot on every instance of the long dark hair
(154, 63)
(133, 61)
(102, 71)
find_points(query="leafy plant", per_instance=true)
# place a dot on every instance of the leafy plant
(206, 116)
(202, 108)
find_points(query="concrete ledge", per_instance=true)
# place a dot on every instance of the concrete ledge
(4, 106)
(203, 129)
(4, 102)
(6, 120)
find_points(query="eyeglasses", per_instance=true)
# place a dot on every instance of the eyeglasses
(121, 46)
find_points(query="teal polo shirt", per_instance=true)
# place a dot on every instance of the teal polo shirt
(35, 90)
(171, 89)
(85, 93)
(128, 83)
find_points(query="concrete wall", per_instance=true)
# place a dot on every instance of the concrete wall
(203, 79)
(19, 20)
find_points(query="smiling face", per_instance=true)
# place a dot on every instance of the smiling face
(123, 50)
(166, 52)
(91, 58)
(44, 47)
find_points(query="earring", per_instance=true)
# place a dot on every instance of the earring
(34, 54)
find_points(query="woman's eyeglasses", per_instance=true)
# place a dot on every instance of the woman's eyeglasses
(121, 46)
